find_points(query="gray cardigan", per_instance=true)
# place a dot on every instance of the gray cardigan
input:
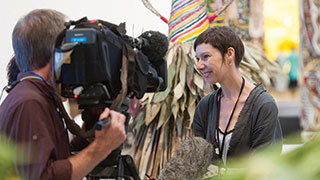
(258, 123)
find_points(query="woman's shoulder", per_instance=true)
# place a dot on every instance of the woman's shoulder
(262, 97)
(208, 98)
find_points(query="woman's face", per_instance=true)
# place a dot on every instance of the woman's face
(210, 63)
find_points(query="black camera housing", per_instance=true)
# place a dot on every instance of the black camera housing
(93, 74)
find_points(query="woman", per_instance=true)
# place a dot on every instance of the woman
(240, 116)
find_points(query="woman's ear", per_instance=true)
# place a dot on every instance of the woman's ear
(230, 55)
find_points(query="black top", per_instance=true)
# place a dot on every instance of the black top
(258, 122)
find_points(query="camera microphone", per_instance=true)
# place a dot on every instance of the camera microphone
(157, 45)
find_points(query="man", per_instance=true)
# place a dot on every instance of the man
(29, 117)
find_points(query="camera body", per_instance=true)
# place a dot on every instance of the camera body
(89, 61)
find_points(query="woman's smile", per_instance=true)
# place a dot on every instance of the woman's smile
(206, 74)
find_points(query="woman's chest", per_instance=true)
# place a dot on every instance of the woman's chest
(230, 114)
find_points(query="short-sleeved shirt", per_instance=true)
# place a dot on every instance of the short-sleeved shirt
(258, 123)
(29, 117)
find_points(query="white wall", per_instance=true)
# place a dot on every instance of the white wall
(137, 18)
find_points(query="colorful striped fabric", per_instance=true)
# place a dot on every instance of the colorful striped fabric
(218, 21)
(188, 19)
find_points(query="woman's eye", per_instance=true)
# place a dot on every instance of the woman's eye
(206, 56)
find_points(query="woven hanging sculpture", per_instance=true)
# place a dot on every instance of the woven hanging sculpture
(188, 19)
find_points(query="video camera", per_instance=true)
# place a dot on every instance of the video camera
(95, 62)
(89, 60)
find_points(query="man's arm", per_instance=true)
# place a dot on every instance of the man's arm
(104, 143)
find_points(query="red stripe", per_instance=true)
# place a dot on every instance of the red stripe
(164, 19)
(211, 18)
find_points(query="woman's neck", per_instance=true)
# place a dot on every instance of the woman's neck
(231, 86)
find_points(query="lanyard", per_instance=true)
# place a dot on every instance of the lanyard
(227, 127)
(38, 77)
(45, 82)
(52, 94)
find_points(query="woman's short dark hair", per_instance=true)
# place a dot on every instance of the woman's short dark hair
(34, 36)
(222, 37)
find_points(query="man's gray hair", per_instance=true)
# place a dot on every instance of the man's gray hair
(34, 36)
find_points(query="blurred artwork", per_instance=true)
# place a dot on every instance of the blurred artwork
(246, 18)
(310, 116)
(212, 7)
(310, 27)
(238, 18)
(310, 54)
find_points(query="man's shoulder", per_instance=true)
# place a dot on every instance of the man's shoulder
(23, 93)
(21, 99)
(17, 104)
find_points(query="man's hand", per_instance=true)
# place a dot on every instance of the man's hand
(113, 134)
(109, 138)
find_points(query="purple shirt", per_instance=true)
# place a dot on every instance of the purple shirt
(29, 118)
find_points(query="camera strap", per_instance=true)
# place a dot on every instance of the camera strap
(127, 56)
(72, 126)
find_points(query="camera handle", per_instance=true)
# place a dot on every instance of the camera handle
(115, 166)
(102, 123)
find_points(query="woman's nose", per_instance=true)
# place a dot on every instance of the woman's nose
(200, 65)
